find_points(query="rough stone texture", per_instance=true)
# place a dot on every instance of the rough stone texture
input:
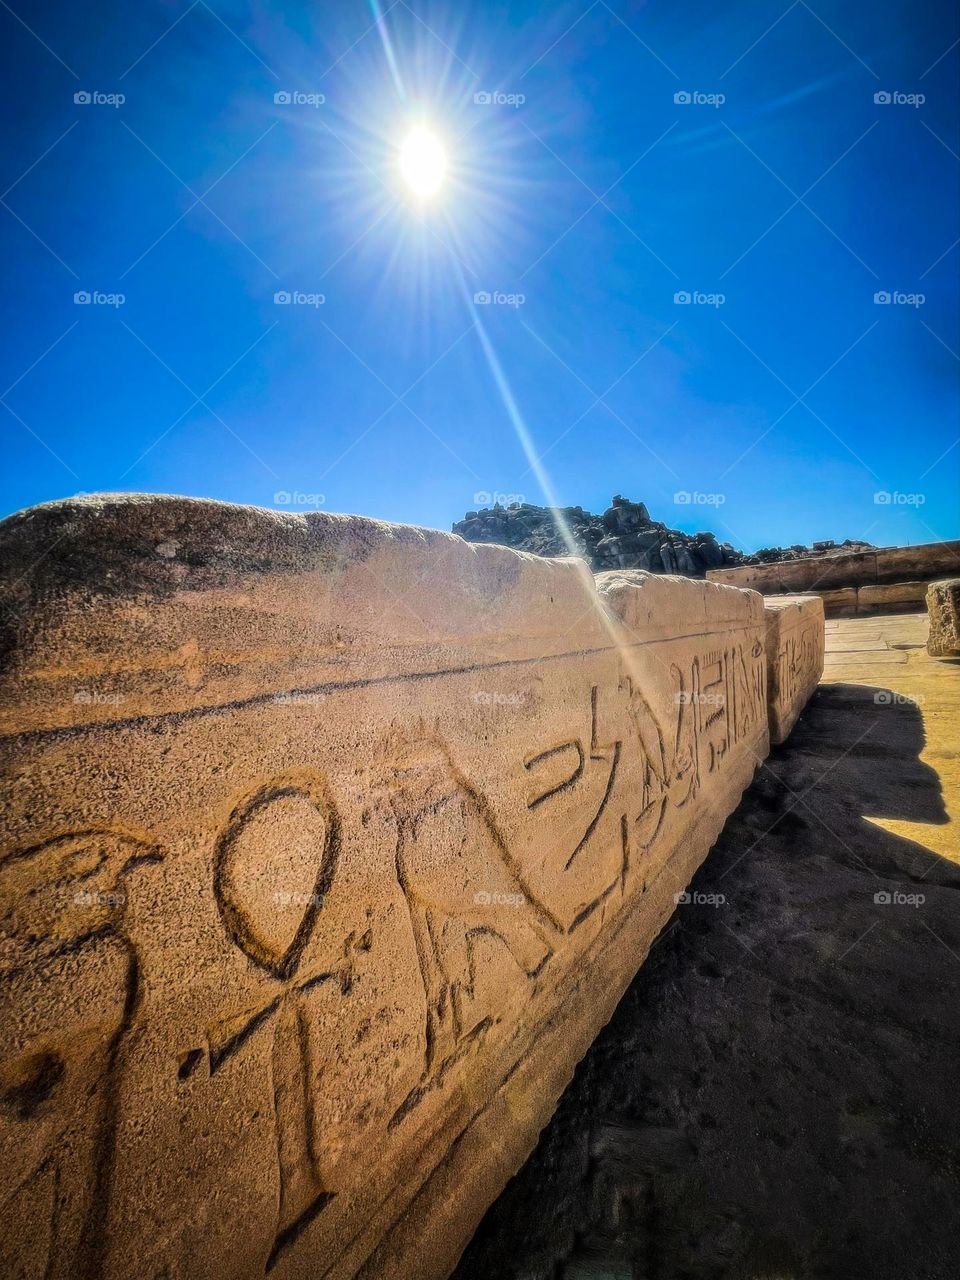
(900, 565)
(841, 602)
(795, 643)
(943, 608)
(328, 847)
(889, 597)
(775, 1096)
(623, 537)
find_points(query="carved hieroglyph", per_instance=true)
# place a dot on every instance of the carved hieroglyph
(328, 848)
(795, 646)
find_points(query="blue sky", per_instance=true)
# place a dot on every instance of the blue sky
(781, 197)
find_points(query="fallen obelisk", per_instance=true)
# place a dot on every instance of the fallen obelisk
(329, 846)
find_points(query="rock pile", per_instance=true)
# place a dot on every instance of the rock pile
(624, 537)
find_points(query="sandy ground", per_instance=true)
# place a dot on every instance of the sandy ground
(778, 1092)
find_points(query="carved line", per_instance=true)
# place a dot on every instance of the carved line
(603, 804)
(235, 921)
(568, 782)
(345, 686)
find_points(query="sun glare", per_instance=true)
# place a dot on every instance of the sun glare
(423, 163)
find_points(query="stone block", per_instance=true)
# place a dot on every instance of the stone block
(795, 648)
(840, 602)
(943, 608)
(887, 596)
(329, 846)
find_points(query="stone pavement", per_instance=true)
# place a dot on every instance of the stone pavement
(775, 1095)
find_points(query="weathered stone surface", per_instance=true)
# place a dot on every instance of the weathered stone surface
(795, 644)
(943, 608)
(840, 602)
(330, 846)
(865, 568)
(890, 596)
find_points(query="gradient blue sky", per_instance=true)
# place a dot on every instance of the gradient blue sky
(789, 406)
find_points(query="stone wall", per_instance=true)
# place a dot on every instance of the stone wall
(887, 578)
(329, 845)
(795, 650)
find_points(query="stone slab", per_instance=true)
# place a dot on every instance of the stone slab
(840, 602)
(891, 595)
(328, 846)
(943, 608)
(795, 648)
(855, 569)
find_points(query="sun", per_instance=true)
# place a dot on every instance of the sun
(423, 162)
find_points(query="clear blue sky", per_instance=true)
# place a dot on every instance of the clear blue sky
(597, 198)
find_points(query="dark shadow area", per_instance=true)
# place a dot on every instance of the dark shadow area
(776, 1095)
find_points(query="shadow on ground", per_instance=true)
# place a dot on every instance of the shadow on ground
(776, 1095)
